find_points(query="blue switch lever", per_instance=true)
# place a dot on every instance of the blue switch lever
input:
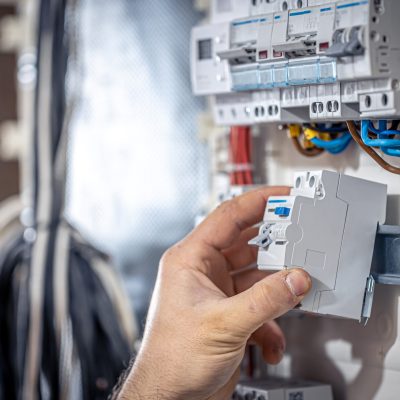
(282, 211)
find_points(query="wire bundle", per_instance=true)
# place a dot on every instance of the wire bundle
(334, 139)
(370, 151)
(66, 328)
(318, 138)
(301, 143)
(387, 140)
(241, 156)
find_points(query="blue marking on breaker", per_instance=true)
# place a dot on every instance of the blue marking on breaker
(293, 14)
(277, 201)
(252, 21)
(355, 4)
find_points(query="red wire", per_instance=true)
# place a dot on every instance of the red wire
(246, 152)
(250, 155)
(245, 158)
(232, 176)
(240, 155)
(233, 155)
(239, 147)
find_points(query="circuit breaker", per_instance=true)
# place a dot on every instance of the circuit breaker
(282, 389)
(327, 226)
(298, 61)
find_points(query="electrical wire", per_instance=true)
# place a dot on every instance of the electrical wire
(240, 149)
(370, 151)
(307, 152)
(334, 146)
(323, 128)
(306, 148)
(249, 156)
(329, 141)
(65, 332)
(384, 139)
(381, 141)
(334, 139)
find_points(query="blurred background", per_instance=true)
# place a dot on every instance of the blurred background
(137, 168)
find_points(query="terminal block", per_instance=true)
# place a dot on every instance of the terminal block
(327, 226)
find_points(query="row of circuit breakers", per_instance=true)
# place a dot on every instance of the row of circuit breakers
(298, 61)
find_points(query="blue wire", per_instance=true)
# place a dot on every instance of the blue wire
(334, 146)
(382, 128)
(387, 146)
(323, 128)
(342, 148)
(365, 128)
(391, 152)
(339, 149)
(383, 131)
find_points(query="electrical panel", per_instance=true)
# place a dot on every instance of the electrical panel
(297, 61)
(282, 389)
(327, 225)
(327, 73)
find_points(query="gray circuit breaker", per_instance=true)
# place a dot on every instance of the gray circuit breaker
(327, 226)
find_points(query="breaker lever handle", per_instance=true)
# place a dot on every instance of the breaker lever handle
(264, 239)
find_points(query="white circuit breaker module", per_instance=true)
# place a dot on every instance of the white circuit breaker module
(327, 226)
(282, 389)
(298, 61)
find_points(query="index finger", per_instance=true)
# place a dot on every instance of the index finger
(224, 225)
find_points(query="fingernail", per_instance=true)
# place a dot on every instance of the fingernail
(299, 283)
(278, 353)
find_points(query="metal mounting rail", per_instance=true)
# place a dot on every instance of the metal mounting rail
(386, 261)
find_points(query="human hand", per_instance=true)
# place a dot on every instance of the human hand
(203, 312)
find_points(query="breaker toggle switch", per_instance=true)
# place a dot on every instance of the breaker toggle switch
(269, 234)
(347, 42)
(264, 239)
(282, 211)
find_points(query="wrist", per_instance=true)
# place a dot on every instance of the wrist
(147, 380)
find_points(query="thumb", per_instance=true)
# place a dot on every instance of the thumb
(266, 300)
